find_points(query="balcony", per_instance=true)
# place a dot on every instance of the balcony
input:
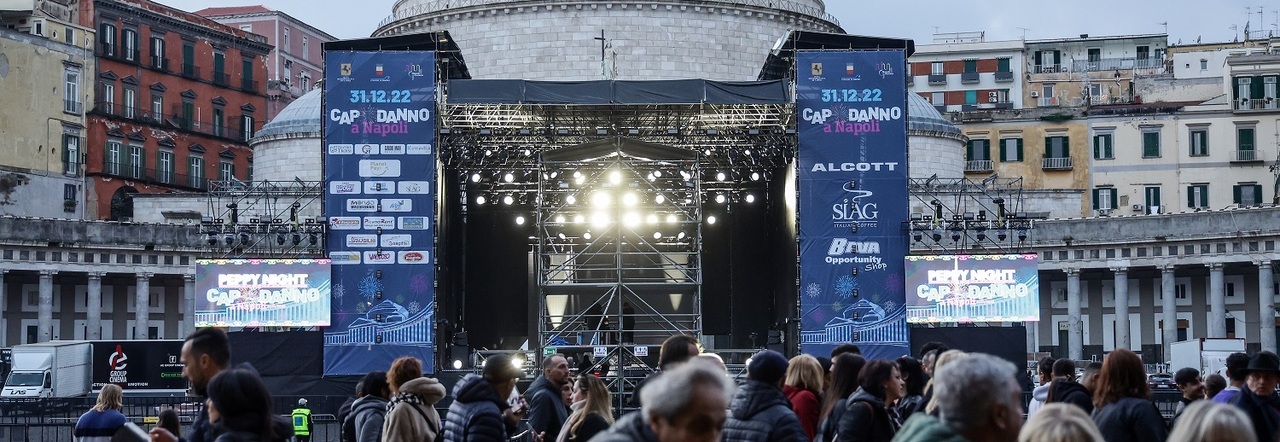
(1048, 68)
(191, 71)
(1002, 77)
(969, 78)
(1048, 102)
(221, 129)
(937, 78)
(72, 106)
(153, 176)
(251, 86)
(159, 63)
(1246, 156)
(1056, 163)
(221, 78)
(1256, 104)
(1002, 105)
(1113, 64)
(978, 166)
(941, 108)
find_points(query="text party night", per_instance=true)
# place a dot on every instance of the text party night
(851, 121)
(381, 121)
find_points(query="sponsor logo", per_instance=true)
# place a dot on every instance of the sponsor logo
(815, 69)
(413, 187)
(848, 69)
(375, 257)
(855, 207)
(415, 257)
(414, 71)
(397, 240)
(345, 69)
(344, 258)
(377, 70)
(344, 223)
(369, 149)
(362, 205)
(379, 187)
(393, 149)
(374, 222)
(344, 187)
(362, 240)
(380, 168)
(397, 205)
(848, 251)
(417, 149)
(885, 69)
(854, 167)
(118, 362)
(342, 149)
(414, 223)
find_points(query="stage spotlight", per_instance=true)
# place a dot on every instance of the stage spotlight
(577, 174)
(615, 177)
(685, 175)
(600, 199)
(244, 238)
(651, 176)
(600, 220)
(457, 364)
(720, 198)
(955, 236)
(561, 236)
(750, 198)
(508, 177)
(680, 235)
(711, 219)
(1022, 234)
(672, 219)
(720, 176)
(1001, 235)
(982, 236)
(213, 239)
(653, 218)
(579, 180)
(937, 237)
(475, 177)
(657, 173)
(587, 235)
(579, 219)
(629, 199)
(755, 176)
(508, 200)
(571, 199)
(560, 219)
(312, 239)
(519, 220)
(917, 236)
(659, 199)
(480, 200)
(657, 235)
(554, 174)
(296, 238)
(488, 152)
(631, 219)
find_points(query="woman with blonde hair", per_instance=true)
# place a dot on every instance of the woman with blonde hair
(104, 419)
(592, 412)
(1059, 422)
(803, 387)
(1209, 421)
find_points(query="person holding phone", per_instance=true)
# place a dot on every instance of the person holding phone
(480, 401)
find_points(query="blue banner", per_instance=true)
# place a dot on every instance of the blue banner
(852, 161)
(380, 179)
(973, 288)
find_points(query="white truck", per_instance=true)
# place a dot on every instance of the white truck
(1209, 355)
(44, 371)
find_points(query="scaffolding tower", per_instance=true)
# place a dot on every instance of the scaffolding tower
(265, 219)
(963, 216)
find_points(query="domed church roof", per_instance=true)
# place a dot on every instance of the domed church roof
(926, 120)
(302, 116)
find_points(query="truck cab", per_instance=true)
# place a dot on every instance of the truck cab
(28, 384)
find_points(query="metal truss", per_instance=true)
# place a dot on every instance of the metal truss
(962, 216)
(265, 219)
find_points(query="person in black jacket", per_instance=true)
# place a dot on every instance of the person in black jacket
(370, 411)
(1122, 404)
(914, 379)
(592, 411)
(1065, 389)
(1259, 399)
(344, 411)
(1188, 381)
(686, 404)
(844, 381)
(547, 411)
(480, 403)
(675, 350)
(759, 411)
(869, 414)
(206, 352)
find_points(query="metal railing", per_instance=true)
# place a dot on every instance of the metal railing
(72, 106)
(159, 63)
(969, 77)
(1256, 103)
(1048, 102)
(248, 85)
(1112, 64)
(978, 166)
(221, 78)
(1056, 164)
(211, 127)
(1003, 76)
(937, 78)
(1244, 155)
(1048, 68)
(191, 71)
(440, 6)
(165, 177)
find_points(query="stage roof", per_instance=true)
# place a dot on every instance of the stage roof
(619, 146)
(446, 49)
(609, 92)
(779, 64)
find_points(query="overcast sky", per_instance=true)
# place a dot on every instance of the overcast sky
(917, 19)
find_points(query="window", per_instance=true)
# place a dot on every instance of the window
(1102, 147)
(285, 47)
(1095, 91)
(1151, 144)
(246, 75)
(288, 72)
(970, 66)
(164, 166)
(217, 121)
(219, 68)
(157, 53)
(1199, 142)
(1104, 198)
(939, 99)
(1246, 194)
(188, 59)
(70, 154)
(1231, 293)
(306, 82)
(129, 41)
(1152, 197)
(1244, 88)
(195, 171)
(304, 47)
(137, 161)
(246, 127)
(978, 150)
(937, 68)
(1198, 196)
(1244, 138)
(113, 163)
(69, 192)
(1011, 150)
(107, 39)
(107, 99)
(970, 97)
(130, 102)
(71, 93)
(1095, 55)
(1057, 147)
(1002, 65)
(226, 171)
(157, 105)
(188, 114)
(1204, 64)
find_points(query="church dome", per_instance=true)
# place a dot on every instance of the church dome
(926, 120)
(301, 117)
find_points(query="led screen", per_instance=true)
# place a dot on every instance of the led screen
(972, 288)
(262, 293)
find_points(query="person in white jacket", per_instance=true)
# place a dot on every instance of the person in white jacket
(1039, 394)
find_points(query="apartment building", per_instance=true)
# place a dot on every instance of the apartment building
(964, 72)
(177, 98)
(1086, 71)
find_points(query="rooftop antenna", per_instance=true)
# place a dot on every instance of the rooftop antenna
(1166, 27)
(1235, 28)
(1024, 33)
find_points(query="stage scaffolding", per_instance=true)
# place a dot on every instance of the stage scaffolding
(265, 219)
(963, 216)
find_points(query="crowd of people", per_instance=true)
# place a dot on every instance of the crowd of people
(945, 395)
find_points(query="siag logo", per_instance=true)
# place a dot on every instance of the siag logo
(344, 187)
(375, 257)
(342, 149)
(397, 240)
(344, 258)
(855, 207)
(414, 257)
(413, 187)
(344, 223)
(414, 223)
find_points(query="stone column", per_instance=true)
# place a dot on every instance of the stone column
(44, 319)
(1121, 290)
(1169, 308)
(1217, 302)
(189, 310)
(1267, 306)
(1075, 338)
(143, 310)
(93, 314)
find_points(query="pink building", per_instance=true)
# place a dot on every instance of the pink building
(297, 61)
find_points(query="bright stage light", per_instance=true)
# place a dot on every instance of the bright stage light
(720, 198)
(720, 176)
(571, 199)
(629, 199)
(519, 220)
(457, 364)
(755, 176)
(615, 177)
(577, 174)
(711, 219)
(600, 220)
(475, 177)
(659, 199)
(508, 177)
(652, 177)
(518, 362)
(561, 235)
(657, 235)
(586, 236)
(750, 198)
(671, 219)
(685, 175)
(601, 199)
(508, 200)
(657, 173)
(631, 219)
(554, 174)
(680, 235)
(480, 200)
(579, 219)
(653, 218)
(579, 179)
(560, 219)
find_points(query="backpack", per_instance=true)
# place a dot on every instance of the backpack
(439, 434)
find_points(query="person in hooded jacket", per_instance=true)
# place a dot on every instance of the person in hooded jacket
(369, 413)
(479, 408)
(411, 413)
(759, 411)
(1259, 399)
(844, 381)
(1065, 389)
(1041, 392)
(869, 414)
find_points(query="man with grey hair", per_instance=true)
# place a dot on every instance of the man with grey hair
(978, 400)
(686, 403)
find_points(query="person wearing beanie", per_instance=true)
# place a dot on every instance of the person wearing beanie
(759, 411)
